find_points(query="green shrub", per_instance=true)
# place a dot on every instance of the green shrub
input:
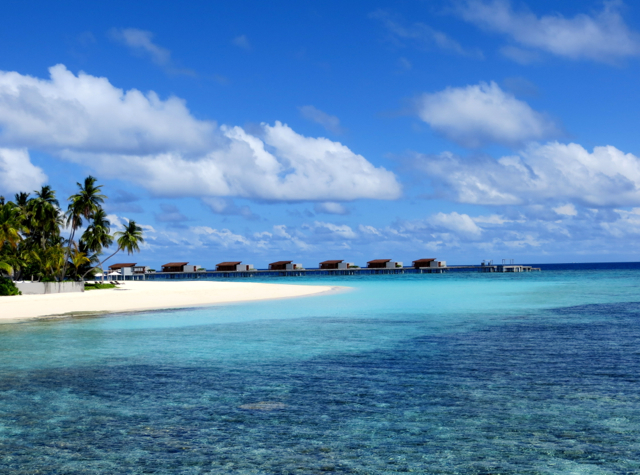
(7, 287)
(88, 286)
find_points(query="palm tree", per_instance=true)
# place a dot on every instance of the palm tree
(10, 225)
(78, 258)
(97, 235)
(128, 240)
(83, 204)
(43, 217)
(50, 260)
(6, 267)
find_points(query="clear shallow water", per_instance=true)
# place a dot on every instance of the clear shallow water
(459, 373)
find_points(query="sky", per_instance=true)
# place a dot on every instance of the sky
(306, 131)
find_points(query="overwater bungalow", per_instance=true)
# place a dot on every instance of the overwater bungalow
(383, 264)
(285, 265)
(336, 264)
(421, 263)
(234, 266)
(174, 267)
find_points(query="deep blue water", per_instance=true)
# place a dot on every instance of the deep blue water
(444, 374)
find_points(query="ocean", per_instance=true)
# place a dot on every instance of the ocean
(461, 373)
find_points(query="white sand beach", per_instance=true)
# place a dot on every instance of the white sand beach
(139, 295)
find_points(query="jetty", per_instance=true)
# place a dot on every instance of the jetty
(346, 271)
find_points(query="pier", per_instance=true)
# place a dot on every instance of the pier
(211, 274)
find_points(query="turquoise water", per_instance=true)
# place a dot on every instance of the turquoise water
(459, 373)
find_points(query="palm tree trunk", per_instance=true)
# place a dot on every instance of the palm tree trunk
(68, 252)
(100, 265)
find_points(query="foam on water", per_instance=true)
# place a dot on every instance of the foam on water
(459, 373)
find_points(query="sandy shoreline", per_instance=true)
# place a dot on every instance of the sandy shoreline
(137, 296)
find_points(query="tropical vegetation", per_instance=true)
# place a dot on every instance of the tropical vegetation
(41, 241)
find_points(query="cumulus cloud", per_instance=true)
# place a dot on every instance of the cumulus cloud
(161, 146)
(553, 172)
(330, 122)
(480, 114)
(422, 35)
(17, 173)
(603, 36)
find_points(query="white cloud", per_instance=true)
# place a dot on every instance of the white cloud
(460, 223)
(334, 230)
(371, 230)
(566, 210)
(161, 146)
(141, 41)
(627, 224)
(603, 36)
(330, 208)
(479, 114)
(85, 113)
(17, 173)
(329, 122)
(222, 237)
(117, 222)
(423, 35)
(550, 172)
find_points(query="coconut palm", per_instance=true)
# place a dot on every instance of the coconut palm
(97, 235)
(128, 240)
(50, 261)
(78, 258)
(43, 217)
(83, 204)
(10, 225)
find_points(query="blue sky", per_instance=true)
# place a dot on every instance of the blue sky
(462, 130)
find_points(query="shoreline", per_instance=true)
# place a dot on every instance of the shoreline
(140, 296)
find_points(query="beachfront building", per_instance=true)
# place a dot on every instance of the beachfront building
(431, 263)
(234, 266)
(122, 269)
(285, 265)
(336, 264)
(383, 264)
(140, 270)
(173, 266)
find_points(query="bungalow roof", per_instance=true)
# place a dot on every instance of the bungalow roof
(120, 266)
(278, 263)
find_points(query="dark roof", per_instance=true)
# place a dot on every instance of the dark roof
(120, 266)
(280, 263)
(175, 264)
(234, 263)
(332, 262)
(424, 260)
(379, 261)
